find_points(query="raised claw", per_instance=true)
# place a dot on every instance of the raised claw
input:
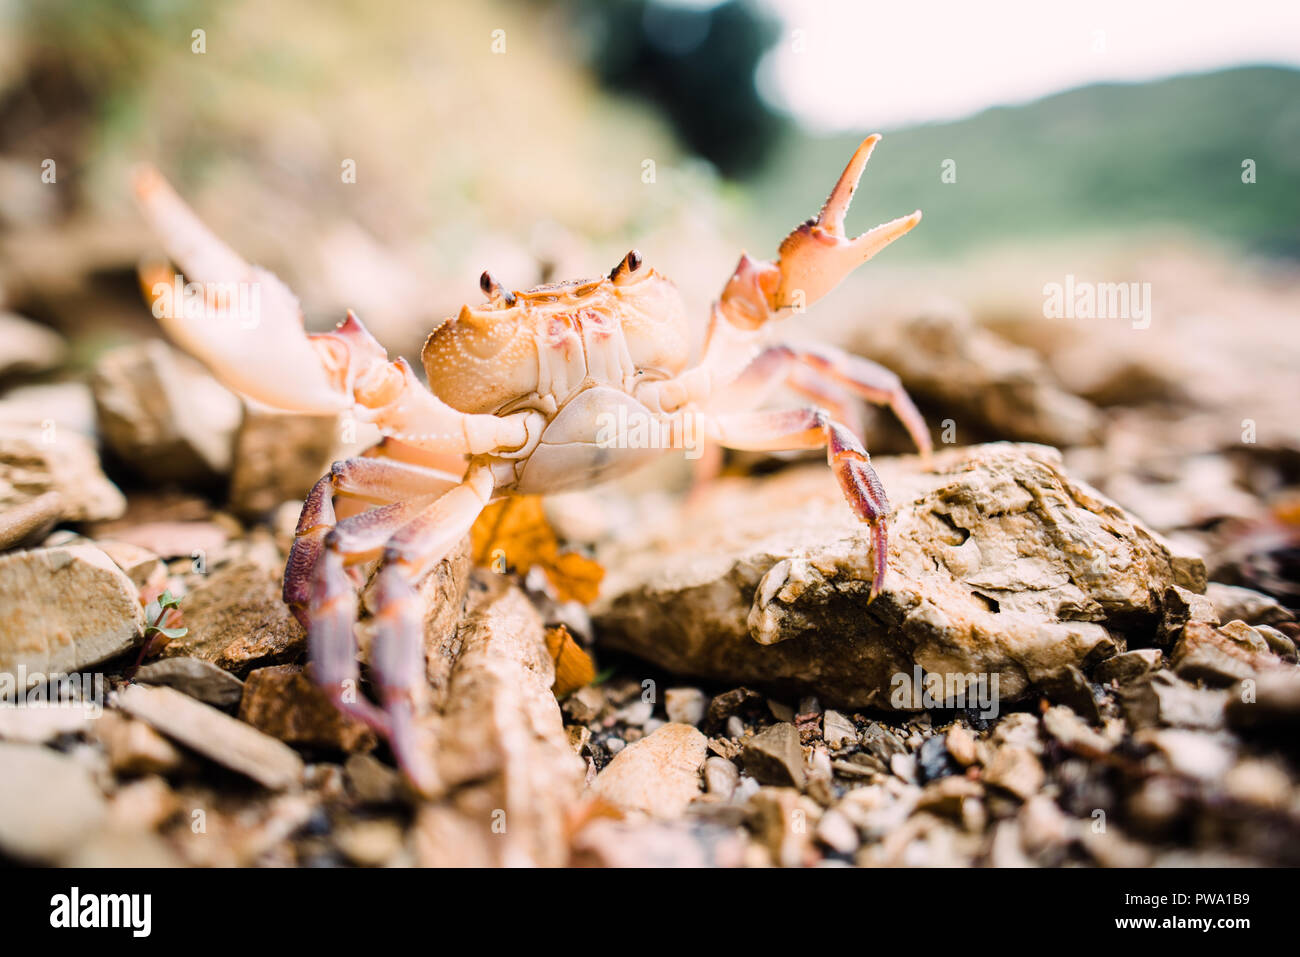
(817, 255)
(239, 319)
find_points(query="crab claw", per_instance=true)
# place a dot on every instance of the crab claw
(239, 319)
(816, 256)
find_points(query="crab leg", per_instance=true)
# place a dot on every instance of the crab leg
(397, 655)
(823, 374)
(810, 429)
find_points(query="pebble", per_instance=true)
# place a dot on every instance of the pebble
(775, 756)
(1015, 769)
(685, 705)
(284, 703)
(48, 803)
(195, 677)
(660, 774)
(961, 745)
(838, 731)
(720, 777)
(837, 832)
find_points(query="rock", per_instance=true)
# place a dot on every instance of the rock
(1220, 656)
(26, 346)
(237, 621)
(370, 843)
(1129, 666)
(838, 731)
(36, 460)
(784, 821)
(214, 735)
(1070, 687)
(947, 795)
(731, 704)
(947, 360)
(961, 745)
(1181, 607)
(143, 567)
(1258, 782)
(48, 804)
(1232, 602)
(654, 843)
(63, 405)
(584, 704)
(720, 778)
(660, 774)
(503, 757)
(1161, 698)
(133, 747)
(775, 756)
(168, 539)
(1192, 753)
(1065, 726)
(28, 522)
(162, 413)
(1269, 702)
(685, 705)
(284, 703)
(1278, 643)
(933, 760)
(1016, 770)
(41, 724)
(277, 457)
(195, 677)
(1000, 565)
(65, 609)
(881, 743)
(837, 832)
(371, 781)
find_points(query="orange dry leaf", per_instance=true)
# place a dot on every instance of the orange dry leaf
(573, 667)
(514, 533)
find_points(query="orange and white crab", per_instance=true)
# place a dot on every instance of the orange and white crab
(519, 388)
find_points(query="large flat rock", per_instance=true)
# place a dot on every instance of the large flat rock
(999, 564)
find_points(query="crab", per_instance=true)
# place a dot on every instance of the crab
(521, 391)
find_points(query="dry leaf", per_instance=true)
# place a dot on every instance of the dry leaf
(514, 533)
(573, 666)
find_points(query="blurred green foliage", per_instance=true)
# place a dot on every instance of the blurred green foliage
(1101, 159)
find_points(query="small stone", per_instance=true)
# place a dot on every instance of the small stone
(195, 677)
(1162, 698)
(1220, 656)
(1015, 769)
(31, 466)
(735, 727)
(1070, 687)
(637, 713)
(370, 780)
(879, 741)
(731, 703)
(1020, 729)
(133, 747)
(1232, 602)
(961, 745)
(65, 609)
(837, 832)
(1278, 643)
(1191, 753)
(904, 767)
(284, 703)
(784, 821)
(145, 803)
(720, 777)
(1270, 702)
(659, 775)
(933, 760)
(42, 723)
(780, 711)
(614, 745)
(1129, 666)
(1182, 606)
(27, 346)
(370, 843)
(1065, 726)
(809, 705)
(161, 412)
(237, 621)
(48, 804)
(142, 566)
(26, 523)
(685, 705)
(947, 796)
(1044, 827)
(584, 704)
(214, 734)
(1263, 783)
(775, 756)
(579, 737)
(838, 731)
(279, 456)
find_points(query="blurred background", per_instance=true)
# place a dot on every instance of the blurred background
(1104, 144)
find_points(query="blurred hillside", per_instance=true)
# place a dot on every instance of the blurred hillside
(1102, 159)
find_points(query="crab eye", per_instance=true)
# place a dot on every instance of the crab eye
(626, 267)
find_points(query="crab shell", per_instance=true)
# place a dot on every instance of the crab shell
(550, 340)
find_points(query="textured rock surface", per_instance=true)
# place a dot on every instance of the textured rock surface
(279, 457)
(660, 774)
(508, 777)
(49, 802)
(162, 413)
(284, 703)
(238, 622)
(64, 609)
(999, 564)
(35, 460)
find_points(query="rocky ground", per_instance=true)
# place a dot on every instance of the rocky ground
(1108, 696)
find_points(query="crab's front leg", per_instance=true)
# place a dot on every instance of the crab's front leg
(810, 429)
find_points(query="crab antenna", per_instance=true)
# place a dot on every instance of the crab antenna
(627, 265)
(494, 290)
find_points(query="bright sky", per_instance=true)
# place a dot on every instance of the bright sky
(869, 63)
